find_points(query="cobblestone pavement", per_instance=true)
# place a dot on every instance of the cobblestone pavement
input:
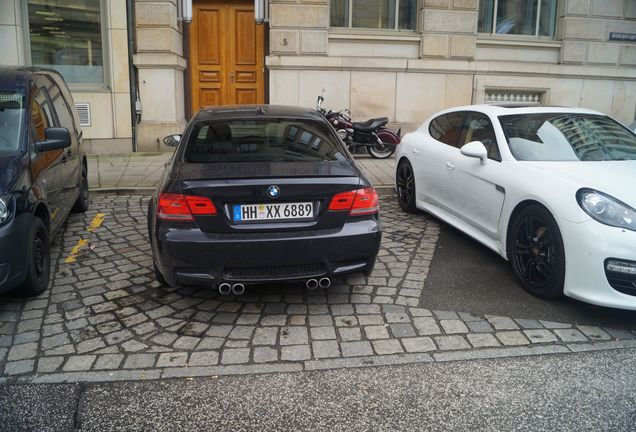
(106, 318)
(143, 170)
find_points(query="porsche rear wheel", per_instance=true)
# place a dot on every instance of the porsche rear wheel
(405, 182)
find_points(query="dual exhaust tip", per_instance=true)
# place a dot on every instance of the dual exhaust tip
(236, 289)
(239, 289)
(315, 283)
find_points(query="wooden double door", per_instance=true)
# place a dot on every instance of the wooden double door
(226, 54)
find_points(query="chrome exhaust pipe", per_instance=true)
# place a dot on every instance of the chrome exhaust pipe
(325, 282)
(238, 289)
(311, 284)
(225, 288)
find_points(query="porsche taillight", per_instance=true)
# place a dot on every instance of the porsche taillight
(178, 207)
(358, 202)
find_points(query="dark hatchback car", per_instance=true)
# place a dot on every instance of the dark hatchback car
(43, 173)
(258, 194)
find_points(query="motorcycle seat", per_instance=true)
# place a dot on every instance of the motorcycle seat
(371, 125)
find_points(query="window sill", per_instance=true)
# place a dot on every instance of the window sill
(365, 35)
(486, 39)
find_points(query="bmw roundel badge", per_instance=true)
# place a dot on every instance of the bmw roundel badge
(273, 191)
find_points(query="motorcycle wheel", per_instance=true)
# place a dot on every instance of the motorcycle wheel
(381, 151)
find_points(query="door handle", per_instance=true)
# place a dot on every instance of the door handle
(450, 166)
(416, 151)
(232, 77)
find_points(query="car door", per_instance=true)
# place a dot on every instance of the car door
(477, 196)
(433, 177)
(47, 166)
(71, 171)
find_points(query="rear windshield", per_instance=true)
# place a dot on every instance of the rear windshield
(567, 137)
(11, 113)
(263, 140)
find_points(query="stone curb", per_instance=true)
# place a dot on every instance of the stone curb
(314, 365)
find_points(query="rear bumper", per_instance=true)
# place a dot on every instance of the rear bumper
(192, 257)
(13, 244)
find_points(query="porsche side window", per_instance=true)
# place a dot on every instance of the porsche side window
(479, 128)
(447, 128)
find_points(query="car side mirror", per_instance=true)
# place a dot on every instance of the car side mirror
(55, 138)
(172, 140)
(475, 149)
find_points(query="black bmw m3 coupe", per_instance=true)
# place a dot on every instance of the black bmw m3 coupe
(259, 194)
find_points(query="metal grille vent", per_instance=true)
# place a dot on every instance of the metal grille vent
(513, 97)
(274, 272)
(84, 113)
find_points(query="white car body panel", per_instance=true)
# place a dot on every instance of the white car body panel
(480, 200)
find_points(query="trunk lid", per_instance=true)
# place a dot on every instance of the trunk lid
(233, 185)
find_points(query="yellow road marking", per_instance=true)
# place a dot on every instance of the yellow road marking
(96, 222)
(73, 255)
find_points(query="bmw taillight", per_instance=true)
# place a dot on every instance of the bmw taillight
(178, 207)
(358, 202)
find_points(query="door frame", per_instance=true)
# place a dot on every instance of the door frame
(188, 79)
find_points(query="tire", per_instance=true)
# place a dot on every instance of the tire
(536, 252)
(158, 276)
(38, 263)
(381, 151)
(405, 182)
(82, 202)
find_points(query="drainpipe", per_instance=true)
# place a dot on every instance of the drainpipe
(132, 72)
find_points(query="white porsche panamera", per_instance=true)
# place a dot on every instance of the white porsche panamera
(551, 189)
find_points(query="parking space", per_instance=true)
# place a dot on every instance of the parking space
(106, 318)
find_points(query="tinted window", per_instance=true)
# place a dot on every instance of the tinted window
(479, 128)
(63, 111)
(447, 128)
(262, 140)
(41, 116)
(567, 137)
(11, 115)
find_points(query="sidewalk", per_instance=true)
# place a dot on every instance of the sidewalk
(140, 171)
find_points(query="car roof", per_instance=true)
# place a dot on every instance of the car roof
(257, 111)
(501, 110)
(14, 77)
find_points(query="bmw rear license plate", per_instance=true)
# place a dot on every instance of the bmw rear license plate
(278, 211)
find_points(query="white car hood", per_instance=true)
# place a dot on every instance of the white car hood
(614, 178)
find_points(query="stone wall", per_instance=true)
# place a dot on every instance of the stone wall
(585, 28)
(408, 76)
(299, 27)
(449, 28)
(160, 64)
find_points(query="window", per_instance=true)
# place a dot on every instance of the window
(479, 128)
(567, 137)
(518, 17)
(41, 116)
(374, 14)
(447, 128)
(271, 140)
(67, 36)
(11, 115)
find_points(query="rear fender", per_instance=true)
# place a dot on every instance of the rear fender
(388, 136)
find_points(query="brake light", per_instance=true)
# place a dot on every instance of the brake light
(359, 202)
(177, 207)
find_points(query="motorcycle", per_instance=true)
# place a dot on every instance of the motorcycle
(379, 141)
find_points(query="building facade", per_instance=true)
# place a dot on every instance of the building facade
(404, 59)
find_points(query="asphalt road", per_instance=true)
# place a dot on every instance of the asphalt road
(574, 392)
(466, 276)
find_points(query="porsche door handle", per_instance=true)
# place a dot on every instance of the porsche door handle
(450, 166)
(416, 151)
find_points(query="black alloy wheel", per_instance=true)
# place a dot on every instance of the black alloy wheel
(381, 151)
(38, 260)
(405, 182)
(82, 202)
(536, 252)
